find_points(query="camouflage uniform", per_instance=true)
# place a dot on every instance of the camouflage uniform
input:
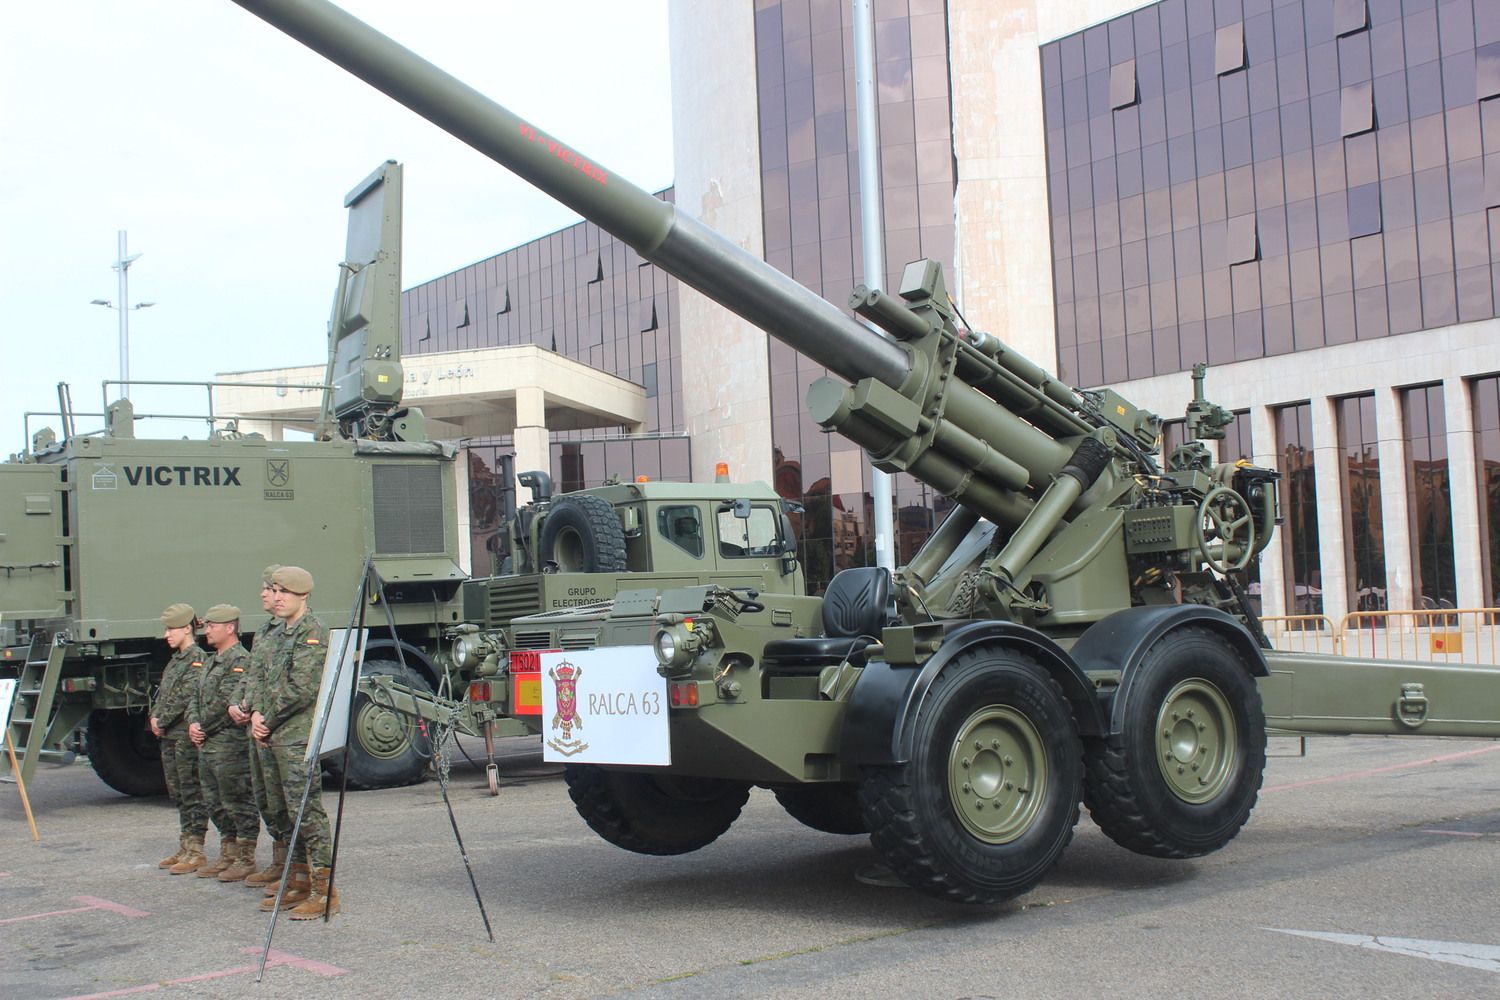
(179, 758)
(268, 801)
(224, 757)
(286, 701)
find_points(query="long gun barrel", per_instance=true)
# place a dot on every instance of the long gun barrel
(924, 400)
(677, 243)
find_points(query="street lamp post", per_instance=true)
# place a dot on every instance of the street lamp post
(124, 309)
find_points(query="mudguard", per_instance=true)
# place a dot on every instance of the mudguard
(886, 699)
(1121, 640)
(413, 657)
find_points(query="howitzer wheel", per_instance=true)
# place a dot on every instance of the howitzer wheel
(582, 534)
(386, 749)
(1181, 778)
(827, 808)
(654, 813)
(124, 754)
(989, 799)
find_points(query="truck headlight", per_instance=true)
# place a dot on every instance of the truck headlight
(676, 646)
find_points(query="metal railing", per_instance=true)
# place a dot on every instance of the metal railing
(1447, 635)
(1302, 633)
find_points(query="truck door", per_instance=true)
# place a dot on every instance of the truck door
(31, 551)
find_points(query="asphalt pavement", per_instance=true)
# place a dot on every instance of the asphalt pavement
(1369, 869)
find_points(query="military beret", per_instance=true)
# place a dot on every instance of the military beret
(177, 616)
(222, 613)
(268, 572)
(293, 578)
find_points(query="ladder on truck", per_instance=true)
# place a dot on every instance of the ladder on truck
(32, 718)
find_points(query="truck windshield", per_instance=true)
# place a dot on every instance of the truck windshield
(755, 536)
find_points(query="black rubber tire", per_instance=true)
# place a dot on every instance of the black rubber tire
(1125, 788)
(654, 814)
(582, 534)
(915, 822)
(124, 754)
(824, 807)
(386, 750)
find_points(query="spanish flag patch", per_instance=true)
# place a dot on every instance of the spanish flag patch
(238, 670)
(197, 663)
(312, 641)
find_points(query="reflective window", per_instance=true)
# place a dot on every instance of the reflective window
(682, 526)
(1299, 506)
(1486, 396)
(1359, 479)
(1425, 431)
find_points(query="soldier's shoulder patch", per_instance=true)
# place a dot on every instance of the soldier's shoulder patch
(313, 640)
(197, 663)
(238, 670)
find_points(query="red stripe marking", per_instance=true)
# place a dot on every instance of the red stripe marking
(104, 904)
(274, 959)
(1380, 770)
(89, 903)
(49, 913)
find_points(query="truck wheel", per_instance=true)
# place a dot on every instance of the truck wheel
(826, 808)
(125, 755)
(582, 534)
(654, 814)
(1182, 777)
(386, 749)
(989, 799)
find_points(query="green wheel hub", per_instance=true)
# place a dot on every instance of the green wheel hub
(1196, 740)
(997, 774)
(381, 732)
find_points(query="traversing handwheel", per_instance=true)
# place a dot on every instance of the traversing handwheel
(1222, 518)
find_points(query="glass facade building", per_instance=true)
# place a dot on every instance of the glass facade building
(1287, 190)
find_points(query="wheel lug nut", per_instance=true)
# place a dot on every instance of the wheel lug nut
(966, 762)
(994, 744)
(1180, 769)
(1190, 713)
(978, 745)
(1202, 726)
(1009, 786)
(967, 788)
(1009, 761)
(1176, 715)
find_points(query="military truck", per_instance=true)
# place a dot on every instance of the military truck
(101, 530)
(1076, 630)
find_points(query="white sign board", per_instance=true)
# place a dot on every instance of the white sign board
(337, 732)
(604, 706)
(7, 695)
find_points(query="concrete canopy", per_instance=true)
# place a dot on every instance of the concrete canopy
(463, 394)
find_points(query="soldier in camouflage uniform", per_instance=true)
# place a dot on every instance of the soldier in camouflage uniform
(179, 758)
(270, 803)
(223, 748)
(283, 718)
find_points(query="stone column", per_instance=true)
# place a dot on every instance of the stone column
(532, 444)
(1332, 552)
(1394, 509)
(1272, 571)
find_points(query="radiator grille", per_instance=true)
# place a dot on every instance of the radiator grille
(408, 509)
(512, 599)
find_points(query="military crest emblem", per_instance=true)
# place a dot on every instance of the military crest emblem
(567, 717)
(278, 471)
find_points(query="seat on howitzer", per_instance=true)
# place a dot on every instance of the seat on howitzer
(854, 609)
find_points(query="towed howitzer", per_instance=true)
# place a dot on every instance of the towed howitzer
(1074, 630)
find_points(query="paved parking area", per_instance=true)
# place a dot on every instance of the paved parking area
(1369, 869)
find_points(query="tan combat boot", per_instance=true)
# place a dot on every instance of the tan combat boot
(243, 864)
(192, 856)
(322, 896)
(271, 872)
(181, 846)
(299, 885)
(228, 851)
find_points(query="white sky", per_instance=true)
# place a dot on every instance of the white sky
(225, 150)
